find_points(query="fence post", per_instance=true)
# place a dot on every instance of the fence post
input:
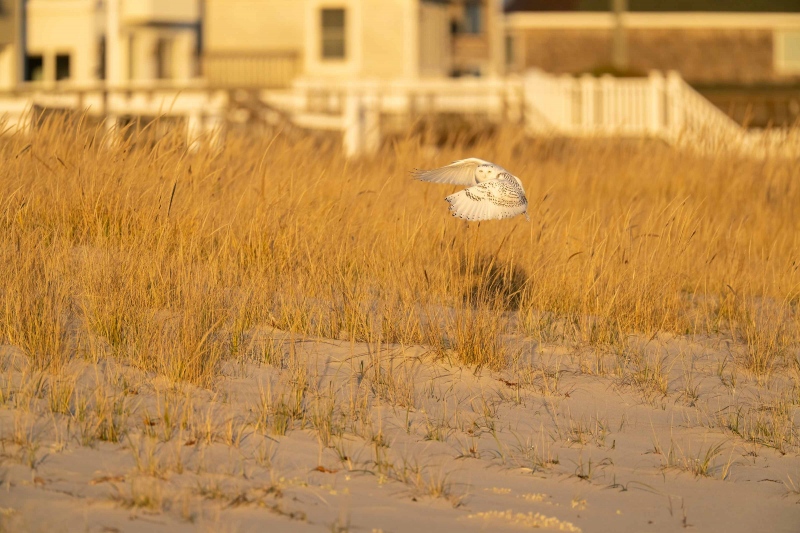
(301, 96)
(565, 91)
(655, 107)
(371, 116)
(110, 122)
(539, 105)
(513, 96)
(610, 109)
(675, 104)
(194, 128)
(214, 128)
(353, 137)
(587, 85)
(495, 99)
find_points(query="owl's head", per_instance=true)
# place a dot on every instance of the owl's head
(485, 173)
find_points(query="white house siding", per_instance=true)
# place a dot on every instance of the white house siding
(384, 38)
(165, 11)
(7, 66)
(65, 26)
(435, 52)
(253, 42)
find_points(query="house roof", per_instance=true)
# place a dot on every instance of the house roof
(725, 6)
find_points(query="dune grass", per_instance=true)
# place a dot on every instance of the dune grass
(137, 275)
(142, 250)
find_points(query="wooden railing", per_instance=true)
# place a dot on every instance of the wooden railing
(201, 109)
(657, 106)
(263, 70)
(592, 106)
(362, 110)
(358, 108)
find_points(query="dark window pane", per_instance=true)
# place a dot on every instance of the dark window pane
(62, 67)
(473, 22)
(333, 34)
(101, 60)
(34, 68)
(163, 59)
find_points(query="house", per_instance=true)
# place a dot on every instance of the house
(269, 43)
(709, 42)
(9, 46)
(66, 42)
(477, 37)
(62, 41)
(160, 40)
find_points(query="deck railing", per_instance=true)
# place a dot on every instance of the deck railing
(261, 70)
(358, 108)
(656, 106)
(203, 110)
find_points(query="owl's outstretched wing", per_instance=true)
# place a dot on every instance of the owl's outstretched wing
(500, 198)
(460, 172)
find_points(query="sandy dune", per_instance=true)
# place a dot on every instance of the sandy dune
(386, 438)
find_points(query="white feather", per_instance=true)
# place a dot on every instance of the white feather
(462, 172)
(493, 193)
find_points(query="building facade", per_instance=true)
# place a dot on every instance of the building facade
(45, 43)
(268, 43)
(706, 42)
(10, 57)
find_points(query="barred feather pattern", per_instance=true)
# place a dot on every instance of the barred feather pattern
(493, 193)
(497, 199)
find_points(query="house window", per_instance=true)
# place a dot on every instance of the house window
(34, 68)
(333, 34)
(473, 17)
(62, 67)
(787, 51)
(164, 58)
(509, 50)
(101, 58)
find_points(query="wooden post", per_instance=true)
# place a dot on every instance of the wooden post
(528, 99)
(213, 128)
(113, 46)
(620, 45)
(610, 115)
(371, 116)
(587, 85)
(20, 52)
(353, 137)
(113, 66)
(194, 131)
(494, 99)
(675, 104)
(514, 100)
(655, 103)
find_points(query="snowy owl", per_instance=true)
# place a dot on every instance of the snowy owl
(493, 193)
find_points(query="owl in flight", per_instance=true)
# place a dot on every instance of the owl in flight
(492, 192)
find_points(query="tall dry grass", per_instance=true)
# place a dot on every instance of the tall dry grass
(139, 249)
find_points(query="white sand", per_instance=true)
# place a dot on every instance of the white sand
(624, 454)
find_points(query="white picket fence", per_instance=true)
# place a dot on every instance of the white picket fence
(202, 111)
(656, 106)
(359, 108)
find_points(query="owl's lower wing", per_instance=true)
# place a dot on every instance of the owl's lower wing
(460, 172)
(491, 200)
